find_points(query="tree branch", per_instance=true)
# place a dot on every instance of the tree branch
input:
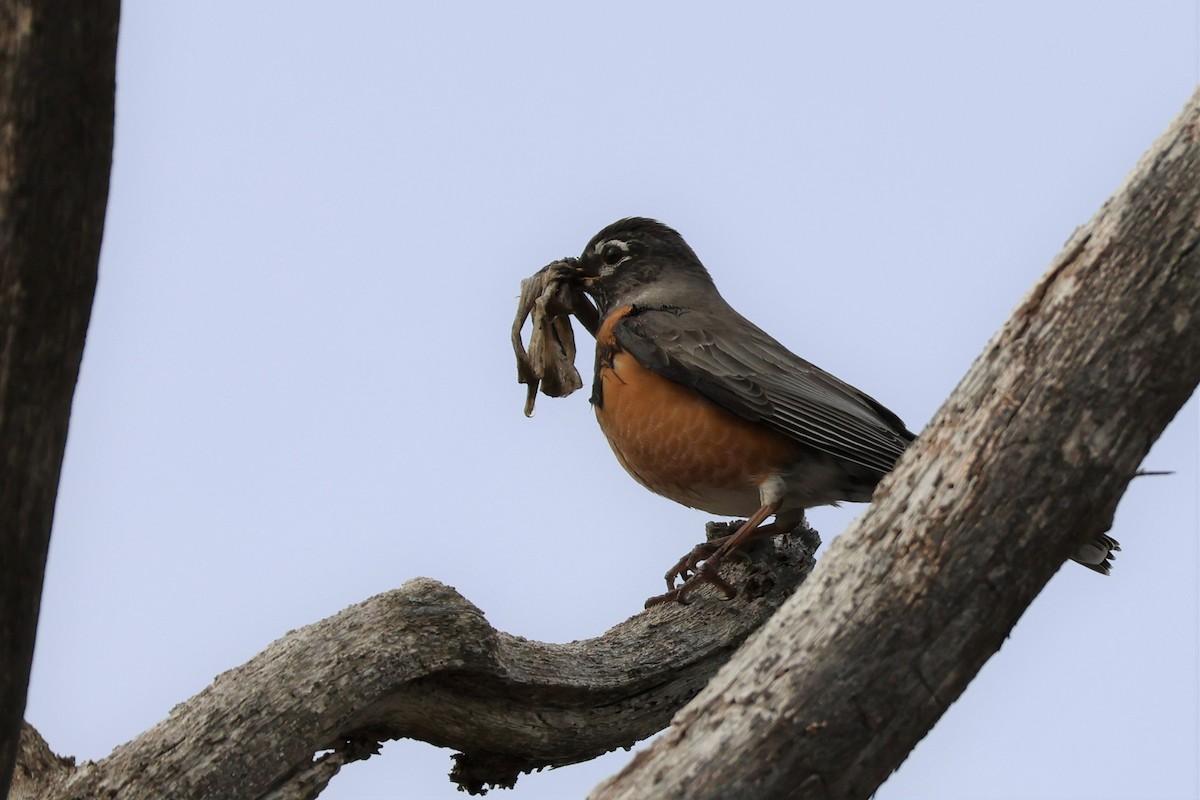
(422, 662)
(57, 79)
(1026, 460)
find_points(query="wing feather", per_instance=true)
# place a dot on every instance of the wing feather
(750, 374)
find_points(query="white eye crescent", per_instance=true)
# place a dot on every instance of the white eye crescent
(613, 253)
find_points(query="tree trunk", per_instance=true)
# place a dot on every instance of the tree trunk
(57, 80)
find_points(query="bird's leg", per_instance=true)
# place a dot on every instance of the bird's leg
(749, 529)
(707, 571)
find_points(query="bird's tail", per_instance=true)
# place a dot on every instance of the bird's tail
(1097, 554)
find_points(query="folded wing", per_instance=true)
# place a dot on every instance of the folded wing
(752, 375)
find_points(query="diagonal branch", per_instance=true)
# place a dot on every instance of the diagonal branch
(1026, 460)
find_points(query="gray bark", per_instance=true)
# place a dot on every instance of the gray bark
(57, 79)
(1025, 461)
(422, 662)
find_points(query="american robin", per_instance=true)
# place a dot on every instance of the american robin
(702, 406)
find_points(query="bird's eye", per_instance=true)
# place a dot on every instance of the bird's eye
(614, 253)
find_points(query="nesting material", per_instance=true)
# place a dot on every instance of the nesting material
(548, 299)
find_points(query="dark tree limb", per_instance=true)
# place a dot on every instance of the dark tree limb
(422, 662)
(57, 79)
(1027, 459)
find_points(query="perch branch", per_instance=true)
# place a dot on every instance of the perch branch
(422, 662)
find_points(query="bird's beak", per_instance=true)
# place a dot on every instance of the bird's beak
(586, 273)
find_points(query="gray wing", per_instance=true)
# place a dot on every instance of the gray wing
(745, 371)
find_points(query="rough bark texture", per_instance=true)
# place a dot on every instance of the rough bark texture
(1027, 459)
(422, 662)
(57, 79)
(37, 766)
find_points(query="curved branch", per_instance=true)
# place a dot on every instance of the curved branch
(1025, 461)
(422, 662)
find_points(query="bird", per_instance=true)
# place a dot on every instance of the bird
(703, 407)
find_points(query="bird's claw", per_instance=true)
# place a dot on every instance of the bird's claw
(687, 567)
(704, 573)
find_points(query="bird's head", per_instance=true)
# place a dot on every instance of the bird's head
(639, 261)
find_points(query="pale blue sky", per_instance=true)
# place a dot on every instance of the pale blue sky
(298, 389)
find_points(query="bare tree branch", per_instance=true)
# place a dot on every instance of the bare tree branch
(422, 662)
(1027, 459)
(57, 66)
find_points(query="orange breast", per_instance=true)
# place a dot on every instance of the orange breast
(677, 443)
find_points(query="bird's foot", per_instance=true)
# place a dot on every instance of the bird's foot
(701, 574)
(700, 565)
(689, 565)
